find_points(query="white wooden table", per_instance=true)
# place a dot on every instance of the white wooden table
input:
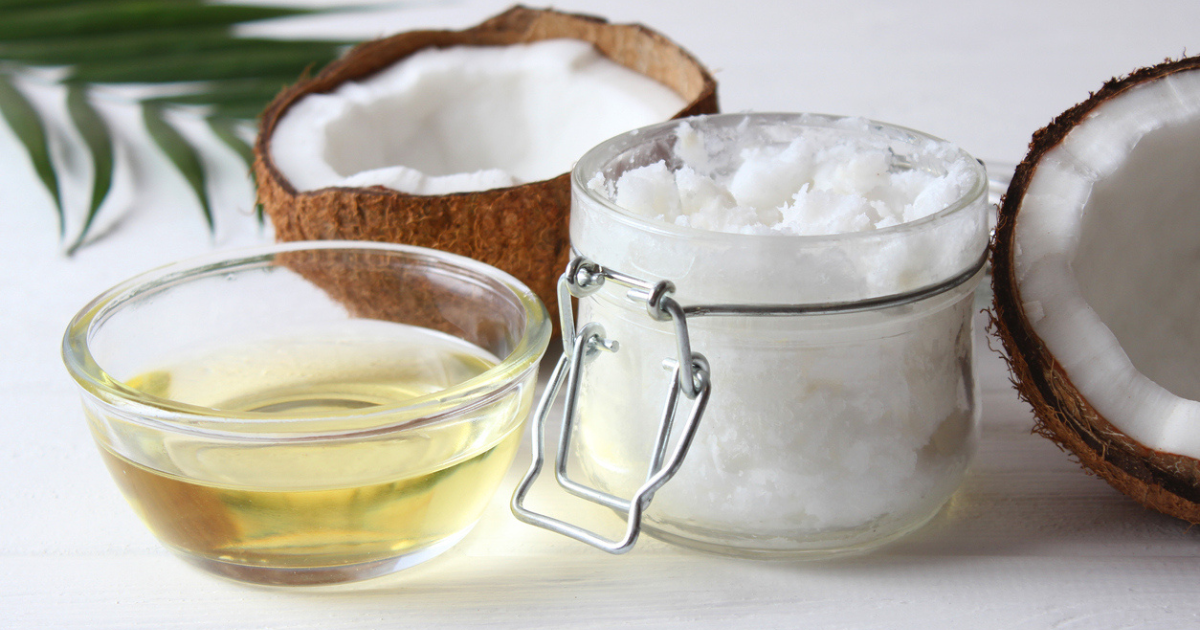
(1030, 541)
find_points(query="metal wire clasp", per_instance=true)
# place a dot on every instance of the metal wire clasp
(690, 377)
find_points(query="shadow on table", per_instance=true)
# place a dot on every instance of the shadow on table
(1023, 501)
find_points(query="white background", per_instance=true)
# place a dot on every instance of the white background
(1029, 542)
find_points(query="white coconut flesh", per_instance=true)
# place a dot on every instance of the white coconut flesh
(1107, 258)
(466, 119)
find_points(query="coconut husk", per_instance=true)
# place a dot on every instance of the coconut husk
(523, 229)
(1165, 482)
(374, 285)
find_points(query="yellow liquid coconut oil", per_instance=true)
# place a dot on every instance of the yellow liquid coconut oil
(318, 502)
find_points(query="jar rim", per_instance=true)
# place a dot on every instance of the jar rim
(592, 161)
(178, 417)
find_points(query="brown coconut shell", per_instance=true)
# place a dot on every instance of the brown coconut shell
(1161, 481)
(522, 229)
(375, 286)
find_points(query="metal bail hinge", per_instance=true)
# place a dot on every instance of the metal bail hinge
(690, 377)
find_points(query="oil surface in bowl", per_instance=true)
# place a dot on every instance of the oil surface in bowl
(317, 503)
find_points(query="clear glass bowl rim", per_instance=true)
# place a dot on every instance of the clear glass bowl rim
(175, 417)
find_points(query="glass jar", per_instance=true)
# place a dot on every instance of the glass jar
(843, 409)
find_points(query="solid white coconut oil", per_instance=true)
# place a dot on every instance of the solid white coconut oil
(825, 433)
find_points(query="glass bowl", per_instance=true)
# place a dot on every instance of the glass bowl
(310, 413)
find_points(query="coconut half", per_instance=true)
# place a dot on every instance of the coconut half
(520, 228)
(466, 118)
(1096, 275)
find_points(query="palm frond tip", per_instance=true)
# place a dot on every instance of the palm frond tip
(157, 42)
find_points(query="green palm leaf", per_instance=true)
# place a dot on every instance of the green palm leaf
(187, 46)
(181, 153)
(227, 130)
(109, 47)
(235, 61)
(232, 98)
(116, 16)
(27, 125)
(99, 144)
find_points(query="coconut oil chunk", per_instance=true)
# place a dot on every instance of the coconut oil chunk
(822, 182)
(466, 119)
